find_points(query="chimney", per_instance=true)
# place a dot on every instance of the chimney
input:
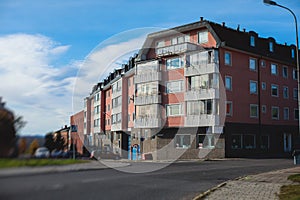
(244, 30)
(238, 28)
(223, 24)
(201, 19)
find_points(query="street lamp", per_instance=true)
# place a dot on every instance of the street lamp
(273, 3)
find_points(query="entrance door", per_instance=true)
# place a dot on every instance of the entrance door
(287, 142)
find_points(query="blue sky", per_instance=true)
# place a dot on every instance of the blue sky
(45, 43)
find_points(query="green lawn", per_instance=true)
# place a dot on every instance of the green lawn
(9, 163)
(291, 192)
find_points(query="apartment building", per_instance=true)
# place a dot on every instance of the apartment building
(202, 90)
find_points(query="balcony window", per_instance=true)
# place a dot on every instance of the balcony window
(274, 90)
(200, 82)
(174, 41)
(174, 63)
(147, 89)
(252, 64)
(275, 113)
(182, 141)
(160, 44)
(187, 38)
(202, 36)
(199, 107)
(174, 86)
(146, 111)
(174, 109)
(253, 87)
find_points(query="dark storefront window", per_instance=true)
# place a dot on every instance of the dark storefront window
(249, 142)
(236, 142)
(206, 141)
(264, 143)
(183, 141)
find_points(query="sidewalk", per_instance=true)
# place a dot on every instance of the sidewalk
(263, 186)
(92, 165)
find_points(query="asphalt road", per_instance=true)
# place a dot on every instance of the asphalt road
(177, 181)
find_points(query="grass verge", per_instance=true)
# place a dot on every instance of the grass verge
(291, 192)
(10, 163)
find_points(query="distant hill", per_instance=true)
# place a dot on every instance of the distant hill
(30, 138)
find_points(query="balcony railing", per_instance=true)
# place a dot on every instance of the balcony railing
(193, 95)
(175, 49)
(116, 110)
(201, 120)
(148, 99)
(147, 77)
(116, 93)
(147, 122)
(203, 68)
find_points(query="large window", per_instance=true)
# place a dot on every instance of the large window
(201, 82)
(199, 107)
(252, 64)
(274, 69)
(228, 82)
(253, 87)
(146, 111)
(147, 89)
(275, 112)
(174, 63)
(253, 110)
(227, 58)
(174, 86)
(205, 141)
(116, 102)
(174, 109)
(116, 118)
(182, 141)
(249, 141)
(285, 72)
(202, 36)
(264, 142)
(274, 90)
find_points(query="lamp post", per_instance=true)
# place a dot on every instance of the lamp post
(273, 3)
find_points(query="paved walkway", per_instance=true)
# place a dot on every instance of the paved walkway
(265, 186)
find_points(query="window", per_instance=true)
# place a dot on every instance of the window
(227, 58)
(264, 142)
(199, 107)
(263, 63)
(249, 142)
(293, 53)
(174, 63)
(252, 64)
(296, 114)
(202, 36)
(205, 141)
(286, 113)
(274, 90)
(236, 141)
(271, 46)
(295, 75)
(252, 41)
(174, 86)
(180, 39)
(116, 102)
(201, 82)
(187, 38)
(182, 141)
(228, 82)
(160, 44)
(264, 109)
(96, 123)
(263, 85)
(253, 111)
(295, 94)
(253, 87)
(145, 89)
(274, 70)
(275, 112)
(174, 41)
(96, 109)
(285, 72)
(174, 109)
(228, 108)
(285, 92)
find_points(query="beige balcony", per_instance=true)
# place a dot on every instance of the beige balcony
(148, 99)
(201, 120)
(116, 127)
(147, 122)
(116, 93)
(176, 49)
(193, 95)
(116, 110)
(203, 68)
(147, 77)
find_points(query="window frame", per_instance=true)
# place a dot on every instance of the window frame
(230, 112)
(230, 58)
(285, 74)
(285, 92)
(254, 106)
(284, 113)
(228, 77)
(271, 68)
(174, 115)
(251, 82)
(277, 89)
(251, 61)
(203, 36)
(278, 114)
